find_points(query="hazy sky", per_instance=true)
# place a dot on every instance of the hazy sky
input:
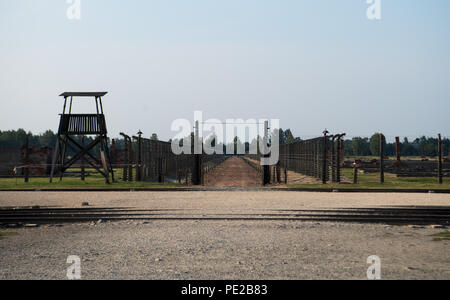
(311, 63)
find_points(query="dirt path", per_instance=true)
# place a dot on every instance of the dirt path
(234, 172)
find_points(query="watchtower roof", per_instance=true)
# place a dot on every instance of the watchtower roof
(83, 94)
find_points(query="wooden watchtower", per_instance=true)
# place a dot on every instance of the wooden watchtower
(72, 125)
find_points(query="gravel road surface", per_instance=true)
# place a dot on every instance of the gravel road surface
(238, 249)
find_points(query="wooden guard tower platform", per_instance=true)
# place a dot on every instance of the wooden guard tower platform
(72, 125)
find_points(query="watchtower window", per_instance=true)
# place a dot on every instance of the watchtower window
(82, 124)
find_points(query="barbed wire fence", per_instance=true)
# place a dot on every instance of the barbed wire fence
(321, 158)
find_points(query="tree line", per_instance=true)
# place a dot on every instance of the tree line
(357, 146)
(423, 146)
(17, 138)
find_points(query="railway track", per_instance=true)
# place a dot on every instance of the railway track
(387, 215)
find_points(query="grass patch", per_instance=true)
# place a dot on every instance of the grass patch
(404, 158)
(445, 234)
(4, 235)
(94, 181)
(441, 239)
(372, 181)
(441, 236)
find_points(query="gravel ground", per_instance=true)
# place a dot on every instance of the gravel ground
(221, 200)
(223, 249)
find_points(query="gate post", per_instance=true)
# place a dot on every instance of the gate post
(197, 172)
(266, 168)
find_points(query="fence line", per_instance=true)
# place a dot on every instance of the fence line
(321, 158)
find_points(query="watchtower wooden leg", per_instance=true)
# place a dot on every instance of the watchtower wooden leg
(103, 158)
(55, 158)
(63, 157)
(109, 161)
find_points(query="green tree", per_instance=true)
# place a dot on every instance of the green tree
(289, 137)
(406, 149)
(360, 146)
(47, 139)
(375, 144)
(348, 149)
(285, 136)
(281, 136)
(13, 138)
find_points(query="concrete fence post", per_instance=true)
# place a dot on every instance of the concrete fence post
(381, 158)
